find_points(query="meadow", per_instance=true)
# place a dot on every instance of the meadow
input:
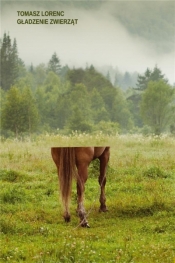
(139, 226)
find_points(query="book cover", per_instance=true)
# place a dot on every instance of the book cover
(76, 75)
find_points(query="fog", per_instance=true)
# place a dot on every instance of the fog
(98, 39)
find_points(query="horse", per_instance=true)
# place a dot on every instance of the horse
(73, 162)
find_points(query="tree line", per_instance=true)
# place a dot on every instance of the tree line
(53, 97)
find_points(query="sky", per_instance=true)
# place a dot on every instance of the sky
(96, 39)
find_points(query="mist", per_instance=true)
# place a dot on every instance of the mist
(98, 39)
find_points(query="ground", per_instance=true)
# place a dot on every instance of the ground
(139, 226)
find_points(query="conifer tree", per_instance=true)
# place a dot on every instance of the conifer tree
(54, 64)
(155, 75)
(14, 62)
(11, 64)
(6, 72)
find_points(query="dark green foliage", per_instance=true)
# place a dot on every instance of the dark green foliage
(54, 64)
(156, 106)
(154, 75)
(59, 98)
(134, 100)
(11, 64)
(89, 77)
(11, 113)
(77, 122)
(19, 113)
(107, 102)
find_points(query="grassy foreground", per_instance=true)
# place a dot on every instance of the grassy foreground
(139, 226)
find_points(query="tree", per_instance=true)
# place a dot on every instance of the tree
(126, 81)
(6, 50)
(155, 75)
(19, 113)
(11, 113)
(77, 121)
(40, 74)
(46, 97)
(120, 111)
(54, 64)
(156, 105)
(133, 98)
(99, 112)
(142, 80)
(52, 81)
(73, 109)
(80, 98)
(30, 111)
(11, 64)
(14, 61)
(2, 101)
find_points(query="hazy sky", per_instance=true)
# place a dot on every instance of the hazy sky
(96, 39)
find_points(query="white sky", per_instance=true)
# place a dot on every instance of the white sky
(97, 39)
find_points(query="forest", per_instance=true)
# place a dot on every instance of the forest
(56, 98)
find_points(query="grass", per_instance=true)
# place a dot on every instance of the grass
(138, 228)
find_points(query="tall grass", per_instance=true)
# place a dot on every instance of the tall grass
(139, 226)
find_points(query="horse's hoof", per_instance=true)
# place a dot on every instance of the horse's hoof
(103, 209)
(85, 225)
(67, 219)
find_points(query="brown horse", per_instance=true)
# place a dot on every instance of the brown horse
(74, 161)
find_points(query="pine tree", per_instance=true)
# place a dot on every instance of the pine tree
(155, 75)
(11, 64)
(143, 80)
(6, 72)
(54, 64)
(14, 62)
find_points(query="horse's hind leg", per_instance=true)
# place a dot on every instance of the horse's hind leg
(104, 158)
(66, 214)
(82, 177)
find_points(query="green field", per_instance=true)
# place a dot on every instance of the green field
(139, 226)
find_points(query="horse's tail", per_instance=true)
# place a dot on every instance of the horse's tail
(67, 170)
